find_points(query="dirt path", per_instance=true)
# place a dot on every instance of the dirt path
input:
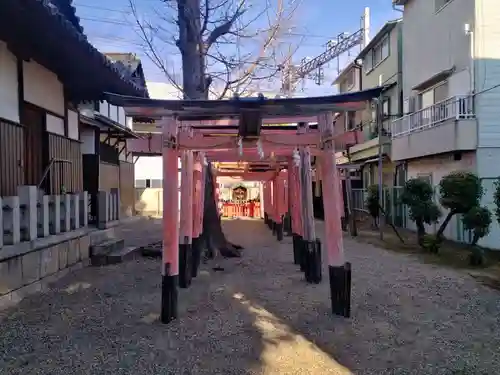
(257, 317)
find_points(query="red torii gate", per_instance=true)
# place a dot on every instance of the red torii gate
(240, 131)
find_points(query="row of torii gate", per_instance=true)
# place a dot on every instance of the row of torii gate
(268, 140)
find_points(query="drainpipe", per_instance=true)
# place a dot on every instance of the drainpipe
(472, 69)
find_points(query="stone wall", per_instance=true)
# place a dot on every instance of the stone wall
(37, 267)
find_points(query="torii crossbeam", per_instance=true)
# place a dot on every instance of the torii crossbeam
(257, 139)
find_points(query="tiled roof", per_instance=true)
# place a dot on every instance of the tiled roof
(69, 11)
(73, 27)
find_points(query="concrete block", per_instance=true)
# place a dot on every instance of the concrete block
(62, 249)
(75, 211)
(55, 214)
(84, 209)
(49, 261)
(28, 198)
(11, 220)
(43, 216)
(11, 275)
(73, 251)
(31, 267)
(84, 247)
(66, 213)
(102, 209)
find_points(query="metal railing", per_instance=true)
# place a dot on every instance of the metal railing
(457, 107)
(396, 213)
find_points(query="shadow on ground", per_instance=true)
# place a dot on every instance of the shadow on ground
(256, 317)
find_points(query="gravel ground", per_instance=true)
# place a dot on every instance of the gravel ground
(257, 317)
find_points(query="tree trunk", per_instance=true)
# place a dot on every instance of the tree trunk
(194, 85)
(420, 232)
(444, 224)
(212, 234)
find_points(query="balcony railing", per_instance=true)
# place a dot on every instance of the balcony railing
(457, 107)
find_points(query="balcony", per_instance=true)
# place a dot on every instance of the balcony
(447, 126)
(368, 147)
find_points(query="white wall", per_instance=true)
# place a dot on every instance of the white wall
(149, 167)
(55, 124)
(104, 108)
(87, 137)
(73, 125)
(42, 88)
(9, 100)
(433, 42)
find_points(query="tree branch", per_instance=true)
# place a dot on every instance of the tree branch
(225, 27)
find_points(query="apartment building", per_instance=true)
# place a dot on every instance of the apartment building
(379, 63)
(450, 60)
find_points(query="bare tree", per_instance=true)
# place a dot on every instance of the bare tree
(227, 47)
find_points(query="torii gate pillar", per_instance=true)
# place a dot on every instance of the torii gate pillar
(198, 208)
(311, 246)
(170, 254)
(186, 220)
(339, 270)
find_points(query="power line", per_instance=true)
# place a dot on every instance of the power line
(128, 24)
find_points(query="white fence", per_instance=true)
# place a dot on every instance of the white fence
(31, 214)
(457, 107)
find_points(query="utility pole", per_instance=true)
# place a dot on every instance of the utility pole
(380, 172)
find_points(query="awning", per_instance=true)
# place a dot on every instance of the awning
(436, 78)
(113, 128)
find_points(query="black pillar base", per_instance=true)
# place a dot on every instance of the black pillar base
(185, 261)
(168, 297)
(279, 231)
(340, 289)
(266, 218)
(287, 223)
(343, 223)
(296, 254)
(273, 227)
(196, 248)
(301, 252)
(312, 272)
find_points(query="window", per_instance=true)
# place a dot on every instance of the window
(386, 107)
(351, 120)
(380, 52)
(156, 183)
(140, 183)
(433, 95)
(367, 62)
(350, 79)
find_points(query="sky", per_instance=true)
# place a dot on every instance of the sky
(110, 26)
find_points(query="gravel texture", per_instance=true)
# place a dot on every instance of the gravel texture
(256, 317)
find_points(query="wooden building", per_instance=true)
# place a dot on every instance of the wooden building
(47, 70)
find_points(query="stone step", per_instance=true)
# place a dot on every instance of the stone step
(100, 251)
(122, 255)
